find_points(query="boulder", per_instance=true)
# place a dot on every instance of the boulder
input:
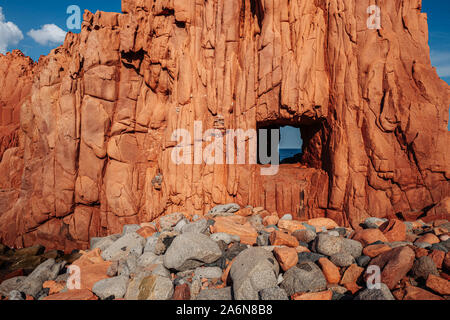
(129, 243)
(306, 277)
(112, 287)
(253, 270)
(394, 265)
(191, 250)
(155, 287)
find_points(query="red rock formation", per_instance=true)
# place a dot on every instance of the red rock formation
(95, 131)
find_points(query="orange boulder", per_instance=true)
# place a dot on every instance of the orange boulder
(236, 226)
(324, 295)
(286, 257)
(330, 271)
(394, 230)
(279, 238)
(368, 236)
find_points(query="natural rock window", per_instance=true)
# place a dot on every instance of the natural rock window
(298, 143)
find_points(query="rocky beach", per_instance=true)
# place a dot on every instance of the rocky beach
(235, 253)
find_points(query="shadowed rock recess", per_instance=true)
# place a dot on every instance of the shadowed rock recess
(85, 133)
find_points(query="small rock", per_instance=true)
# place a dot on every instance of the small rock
(225, 237)
(307, 277)
(199, 226)
(394, 230)
(208, 273)
(309, 256)
(48, 270)
(11, 284)
(256, 222)
(333, 233)
(130, 228)
(286, 257)
(215, 294)
(101, 243)
(263, 239)
(423, 267)
(182, 223)
(328, 245)
(428, 238)
(167, 222)
(164, 241)
(149, 258)
(223, 210)
(330, 271)
(305, 235)
(440, 247)
(129, 243)
(352, 247)
(395, 264)
(323, 223)
(342, 259)
(116, 286)
(16, 295)
(182, 292)
(150, 244)
(287, 217)
(438, 284)
(373, 222)
(376, 294)
(363, 261)
(279, 238)
(253, 270)
(155, 287)
(191, 250)
(274, 293)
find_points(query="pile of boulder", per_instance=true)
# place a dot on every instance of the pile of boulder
(235, 253)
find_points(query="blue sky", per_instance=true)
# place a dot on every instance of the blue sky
(39, 26)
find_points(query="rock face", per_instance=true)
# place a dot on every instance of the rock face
(93, 148)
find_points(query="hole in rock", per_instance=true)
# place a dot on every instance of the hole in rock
(297, 142)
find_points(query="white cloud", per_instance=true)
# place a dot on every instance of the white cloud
(441, 60)
(10, 34)
(48, 34)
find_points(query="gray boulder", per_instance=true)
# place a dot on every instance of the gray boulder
(155, 287)
(11, 284)
(306, 277)
(148, 259)
(328, 245)
(423, 267)
(208, 273)
(199, 226)
(223, 210)
(274, 293)
(169, 221)
(215, 294)
(225, 237)
(373, 222)
(106, 288)
(150, 244)
(15, 295)
(306, 235)
(375, 294)
(342, 259)
(125, 245)
(352, 247)
(253, 270)
(130, 228)
(48, 270)
(190, 250)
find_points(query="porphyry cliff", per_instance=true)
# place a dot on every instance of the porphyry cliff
(92, 149)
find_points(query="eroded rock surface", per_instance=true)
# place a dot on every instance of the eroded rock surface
(92, 150)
